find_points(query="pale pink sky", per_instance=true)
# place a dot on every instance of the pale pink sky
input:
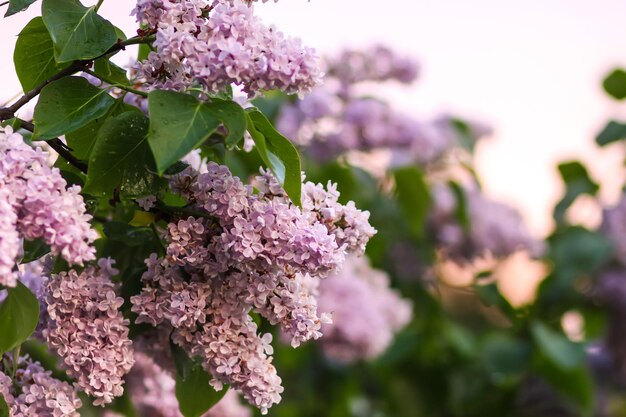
(532, 69)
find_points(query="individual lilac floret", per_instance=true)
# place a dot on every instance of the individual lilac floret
(366, 312)
(495, 229)
(34, 392)
(87, 330)
(216, 44)
(35, 203)
(246, 252)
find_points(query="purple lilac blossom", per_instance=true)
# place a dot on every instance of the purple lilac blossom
(366, 312)
(151, 390)
(495, 228)
(35, 203)
(252, 252)
(219, 43)
(87, 330)
(33, 392)
(336, 119)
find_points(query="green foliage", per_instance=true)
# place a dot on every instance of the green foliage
(194, 394)
(505, 358)
(413, 197)
(577, 182)
(77, 32)
(34, 55)
(108, 70)
(82, 140)
(615, 84)
(180, 123)
(19, 315)
(4, 408)
(557, 348)
(278, 153)
(67, 105)
(121, 158)
(16, 6)
(34, 249)
(612, 132)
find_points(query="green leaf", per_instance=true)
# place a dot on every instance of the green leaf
(461, 211)
(232, 116)
(557, 347)
(178, 124)
(4, 408)
(121, 158)
(77, 32)
(19, 315)
(574, 384)
(108, 70)
(577, 182)
(34, 249)
(127, 234)
(505, 358)
(67, 105)
(576, 250)
(34, 55)
(491, 295)
(615, 84)
(413, 197)
(194, 394)
(82, 140)
(16, 6)
(612, 132)
(278, 153)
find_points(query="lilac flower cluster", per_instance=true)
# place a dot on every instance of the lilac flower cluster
(495, 228)
(335, 119)
(87, 330)
(33, 392)
(151, 390)
(377, 63)
(34, 203)
(219, 43)
(246, 252)
(366, 312)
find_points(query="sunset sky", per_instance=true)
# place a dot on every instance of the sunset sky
(530, 69)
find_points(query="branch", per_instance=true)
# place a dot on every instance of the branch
(9, 112)
(59, 147)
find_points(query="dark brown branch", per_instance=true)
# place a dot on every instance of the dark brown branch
(59, 147)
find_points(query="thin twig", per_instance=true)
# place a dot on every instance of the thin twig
(59, 147)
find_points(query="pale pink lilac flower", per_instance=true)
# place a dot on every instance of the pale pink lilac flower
(366, 312)
(252, 252)
(35, 203)
(39, 394)
(216, 44)
(87, 330)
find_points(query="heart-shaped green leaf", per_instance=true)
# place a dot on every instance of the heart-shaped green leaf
(67, 104)
(34, 55)
(77, 32)
(19, 315)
